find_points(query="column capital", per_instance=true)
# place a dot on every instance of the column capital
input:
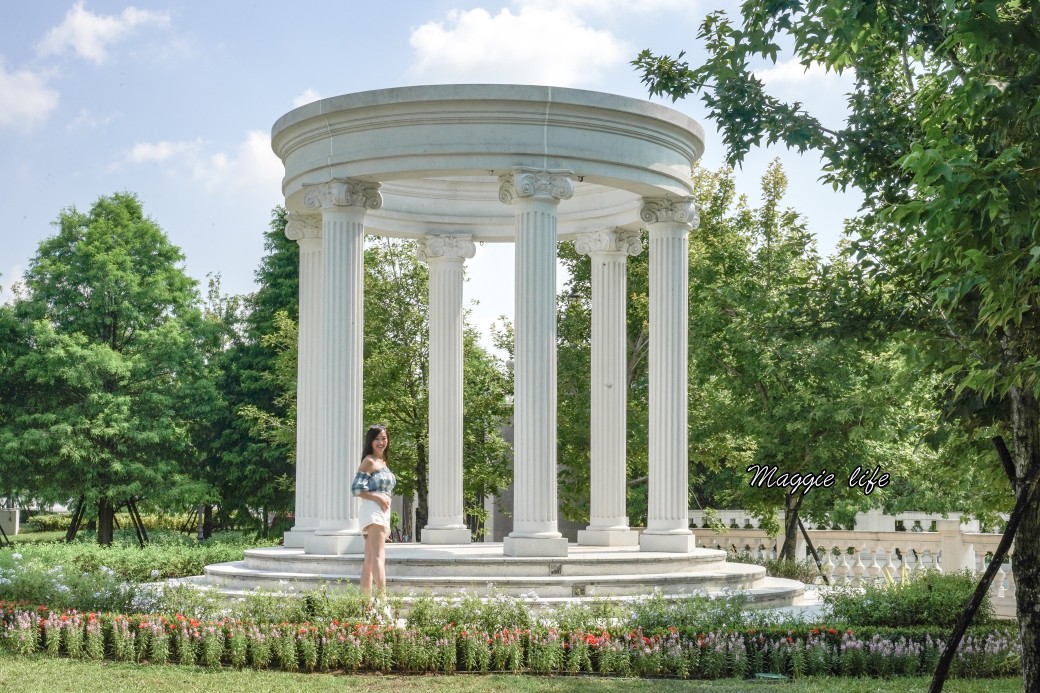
(447, 247)
(609, 241)
(670, 209)
(302, 226)
(343, 192)
(532, 182)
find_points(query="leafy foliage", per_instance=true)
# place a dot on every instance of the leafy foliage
(925, 599)
(109, 368)
(941, 137)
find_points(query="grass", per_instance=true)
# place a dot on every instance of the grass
(25, 536)
(44, 674)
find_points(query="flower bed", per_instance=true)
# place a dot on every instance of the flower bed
(333, 644)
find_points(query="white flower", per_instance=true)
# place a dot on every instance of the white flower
(16, 556)
(154, 573)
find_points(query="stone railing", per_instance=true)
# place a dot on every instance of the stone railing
(861, 556)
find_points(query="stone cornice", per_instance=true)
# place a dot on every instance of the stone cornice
(609, 241)
(343, 192)
(662, 209)
(449, 247)
(302, 226)
(530, 182)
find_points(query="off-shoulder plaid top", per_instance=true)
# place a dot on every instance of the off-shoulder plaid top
(382, 481)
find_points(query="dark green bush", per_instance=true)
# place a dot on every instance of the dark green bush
(59, 522)
(927, 598)
(49, 522)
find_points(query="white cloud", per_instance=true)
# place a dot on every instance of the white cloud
(89, 34)
(253, 167)
(25, 99)
(12, 284)
(86, 120)
(158, 152)
(616, 8)
(792, 72)
(306, 97)
(538, 45)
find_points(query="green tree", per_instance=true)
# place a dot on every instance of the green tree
(771, 383)
(774, 387)
(941, 137)
(397, 382)
(110, 365)
(253, 462)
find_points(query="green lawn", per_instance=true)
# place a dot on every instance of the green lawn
(31, 537)
(46, 674)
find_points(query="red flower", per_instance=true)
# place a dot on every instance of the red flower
(832, 631)
(180, 618)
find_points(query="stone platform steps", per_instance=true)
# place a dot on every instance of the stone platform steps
(482, 569)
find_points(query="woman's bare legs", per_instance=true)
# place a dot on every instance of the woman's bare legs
(373, 568)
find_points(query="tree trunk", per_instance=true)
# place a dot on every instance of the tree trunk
(792, 503)
(407, 530)
(207, 521)
(106, 522)
(1025, 427)
(422, 490)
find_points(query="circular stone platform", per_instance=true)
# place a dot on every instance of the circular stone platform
(586, 572)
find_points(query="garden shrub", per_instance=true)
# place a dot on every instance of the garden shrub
(926, 598)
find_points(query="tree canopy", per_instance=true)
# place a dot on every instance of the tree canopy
(941, 136)
(106, 362)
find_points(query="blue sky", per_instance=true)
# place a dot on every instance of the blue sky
(175, 101)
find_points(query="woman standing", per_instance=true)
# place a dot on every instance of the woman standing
(374, 484)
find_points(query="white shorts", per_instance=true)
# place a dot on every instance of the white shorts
(372, 513)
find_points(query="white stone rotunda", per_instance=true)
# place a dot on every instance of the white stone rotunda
(452, 166)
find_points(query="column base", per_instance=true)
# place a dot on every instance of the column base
(296, 538)
(435, 535)
(334, 544)
(531, 546)
(607, 537)
(668, 543)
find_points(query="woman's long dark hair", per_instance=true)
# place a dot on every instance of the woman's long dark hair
(373, 432)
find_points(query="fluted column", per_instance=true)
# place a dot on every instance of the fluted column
(445, 256)
(305, 229)
(609, 250)
(535, 195)
(343, 203)
(668, 525)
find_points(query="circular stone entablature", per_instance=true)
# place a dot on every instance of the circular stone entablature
(438, 152)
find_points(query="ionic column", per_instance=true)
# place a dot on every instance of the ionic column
(445, 256)
(609, 250)
(535, 195)
(668, 525)
(305, 229)
(343, 203)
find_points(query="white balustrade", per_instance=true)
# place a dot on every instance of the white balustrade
(863, 557)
